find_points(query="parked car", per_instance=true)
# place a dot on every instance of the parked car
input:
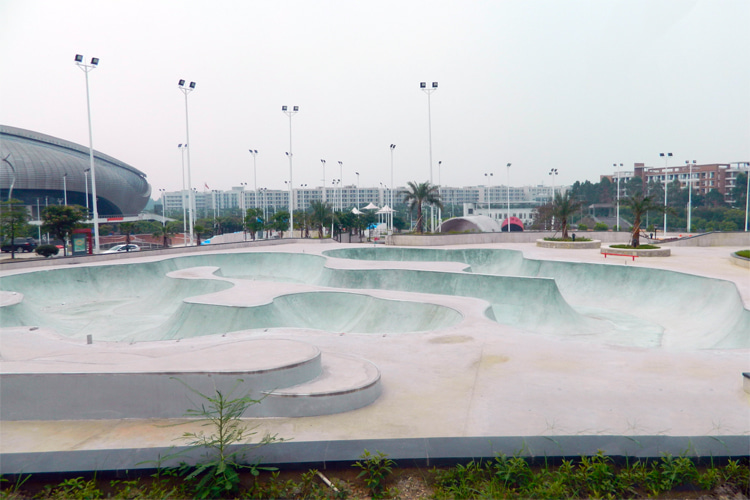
(123, 248)
(20, 245)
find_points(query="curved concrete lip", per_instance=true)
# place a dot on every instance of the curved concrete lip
(738, 260)
(580, 245)
(648, 252)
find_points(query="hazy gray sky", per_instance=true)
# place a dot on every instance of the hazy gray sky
(574, 85)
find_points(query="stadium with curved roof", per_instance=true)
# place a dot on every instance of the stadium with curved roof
(44, 168)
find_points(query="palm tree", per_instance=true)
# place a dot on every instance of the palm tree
(639, 205)
(563, 207)
(320, 214)
(165, 232)
(419, 194)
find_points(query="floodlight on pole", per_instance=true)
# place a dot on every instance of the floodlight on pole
(747, 191)
(666, 157)
(553, 174)
(489, 192)
(65, 189)
(191, 195)
(290, 113)
(86, 68)
(429, 91)
(182, 148)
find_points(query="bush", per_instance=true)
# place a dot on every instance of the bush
(582, 227)
(600, 226)
(47, 250)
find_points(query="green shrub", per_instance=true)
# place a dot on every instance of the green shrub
(600, 226)
(47, 250)
(744, 253)
(582, 227)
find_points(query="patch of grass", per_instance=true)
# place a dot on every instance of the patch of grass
(744, 253)
(567, 239)
(639, 247)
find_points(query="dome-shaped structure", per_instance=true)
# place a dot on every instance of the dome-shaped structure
(36, 165)
(516, 224)
(471, 223)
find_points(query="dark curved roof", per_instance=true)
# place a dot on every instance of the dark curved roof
(41, 161)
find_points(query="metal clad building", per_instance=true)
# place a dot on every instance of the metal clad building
(46, 167)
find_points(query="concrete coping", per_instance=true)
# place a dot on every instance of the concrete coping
(739, 260)
(638, 252)
(576, 245)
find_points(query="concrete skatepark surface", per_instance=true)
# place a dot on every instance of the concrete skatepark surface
(449, 352)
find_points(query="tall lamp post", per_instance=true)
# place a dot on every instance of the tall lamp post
(508, 167)
(86, 68)
(747, 191)
(690, 193)
(666, 157)
(65, 189)
(617, 216)
(553, 174)
(440, 183)
(191, 196)
(86, 186)
(254, 152)
(290, 113)
(183, 147)
(429, 91)
(323, 194)
(489, 192)
(390, 226)
(13, 176)
(341, 187)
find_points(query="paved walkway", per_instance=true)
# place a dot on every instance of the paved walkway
(473, 383)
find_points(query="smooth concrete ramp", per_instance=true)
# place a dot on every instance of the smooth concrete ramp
(439, 353)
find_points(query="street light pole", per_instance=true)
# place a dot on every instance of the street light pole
(553, 174)
(508, 166)
(86, 68)
(191, 196)
(690, 194)
(254, 152)
(390, 228)
(440, 183)
(617, 216)
(65, 189)
(290, 113)
(429, 91)
(86, 186)
(747, 191)
(489, 192)
(666, 157)
(323, 194)
(341, 186)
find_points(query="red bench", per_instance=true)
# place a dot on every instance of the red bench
(619, 255)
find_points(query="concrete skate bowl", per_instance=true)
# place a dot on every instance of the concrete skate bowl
(140, 302)
(617, 305)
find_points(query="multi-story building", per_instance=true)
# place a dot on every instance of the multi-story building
(347, 197)
(704, 177)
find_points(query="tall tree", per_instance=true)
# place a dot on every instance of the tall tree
(418, 195)
(254, 221)
(320, 215)
(60, 220)
(564, 207)
(640, 204)
(13, 216)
